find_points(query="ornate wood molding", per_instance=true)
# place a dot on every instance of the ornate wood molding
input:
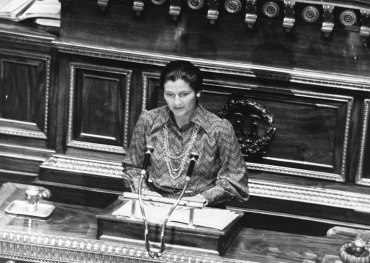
(89, 145)
(313, 78)
(51, 249)
(320, 196)
(27, 133)
(145, 87)
(365, 122)
(81, 165)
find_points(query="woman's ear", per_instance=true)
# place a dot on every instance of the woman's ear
(198, 94)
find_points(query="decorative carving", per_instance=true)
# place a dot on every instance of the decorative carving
(289, 18)
(251, 15)
(102, 4)
(365, 122)
(158, 2)
(34, 247)
(365, 23)
(195, 4)
(88, 145)
(321, 196)
(295, 76)
(23, 133)
(271, 9)
(328, 24)
(310, 14)
(175, 9)
(138, 7)
(65, 163)
(348, 18)
(248, 146)
(233, 6)
(212, 13)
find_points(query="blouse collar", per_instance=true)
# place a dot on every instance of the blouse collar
(199, 117)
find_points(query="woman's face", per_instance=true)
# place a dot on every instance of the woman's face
(180, 98)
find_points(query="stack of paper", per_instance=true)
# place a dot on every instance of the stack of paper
(206, 217)
(44, 12)
(10, 9)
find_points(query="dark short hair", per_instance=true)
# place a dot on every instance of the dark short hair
(185, 70)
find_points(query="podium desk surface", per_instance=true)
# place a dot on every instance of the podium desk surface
(74, 227)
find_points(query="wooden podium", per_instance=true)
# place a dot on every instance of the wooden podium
(184, 236)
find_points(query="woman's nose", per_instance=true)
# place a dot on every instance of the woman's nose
(177, 100)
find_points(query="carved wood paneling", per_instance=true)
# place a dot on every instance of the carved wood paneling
(301, 117)
(98, 107)
(25, 91)
(363, 169)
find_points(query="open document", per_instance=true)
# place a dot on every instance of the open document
(156, 213)
(17, 10)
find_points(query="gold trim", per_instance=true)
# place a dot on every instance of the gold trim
(95, 146)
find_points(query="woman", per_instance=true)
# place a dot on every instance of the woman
(178, 129)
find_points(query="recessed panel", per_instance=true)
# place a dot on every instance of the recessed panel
(24, 93)
(98, 107)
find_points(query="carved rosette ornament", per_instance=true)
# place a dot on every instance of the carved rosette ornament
(365, 23)
(251, 15)
(240, 108)
(348, 18)
(195, 4)
(233, 6)
(271, 9)
(158, 2)
(310, 14)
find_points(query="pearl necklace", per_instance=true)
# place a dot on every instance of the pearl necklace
(183, 156)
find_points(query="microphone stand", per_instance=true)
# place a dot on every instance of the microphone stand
(159, 252)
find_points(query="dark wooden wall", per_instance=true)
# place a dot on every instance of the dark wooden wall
(69, 103)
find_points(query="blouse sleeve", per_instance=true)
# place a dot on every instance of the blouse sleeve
(232, 178)
(135, 155)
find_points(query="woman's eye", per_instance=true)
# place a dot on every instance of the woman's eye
(169, 95)
(183, 94)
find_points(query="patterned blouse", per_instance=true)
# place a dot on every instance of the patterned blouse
(220, 172)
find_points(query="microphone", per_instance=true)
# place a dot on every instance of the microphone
(148, 152)
(193, 157)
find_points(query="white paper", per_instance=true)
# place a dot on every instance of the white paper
(206, 217)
